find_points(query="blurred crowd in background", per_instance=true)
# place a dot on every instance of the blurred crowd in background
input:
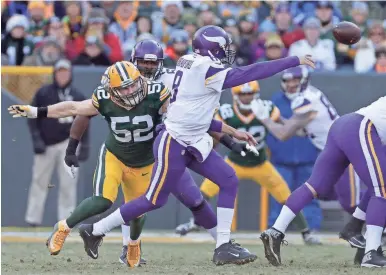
(38, 33)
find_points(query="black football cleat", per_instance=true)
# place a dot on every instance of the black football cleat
(361, 252)
(374, 258)
(354, 239)
(232, 253)
(272, 240)
(352, 233)
(359, 256)
(91, 242)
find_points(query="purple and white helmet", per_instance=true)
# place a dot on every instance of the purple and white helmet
(299, 72)
(214, 42)
(150, 51)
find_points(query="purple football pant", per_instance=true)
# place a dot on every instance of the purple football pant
(171, 161)
(352, 139)
(347, 190)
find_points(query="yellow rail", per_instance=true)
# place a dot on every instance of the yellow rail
(19, 70)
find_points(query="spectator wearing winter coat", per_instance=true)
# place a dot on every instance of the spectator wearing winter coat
(179, 46)
(73, 19)
(302, 10)
(171, 20)
(283, 25)
(47, 54)
(124, 25)
(380, 63)
(10, 8)
(274, 48)
(93, 53)
(50, 139)
(55, 29)
(322, 50)
(15, 44)
(325, 13)
(38, 12)
(359, 15)
(365, 56)
(97, 22)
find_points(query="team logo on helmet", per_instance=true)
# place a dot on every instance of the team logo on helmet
(217, 39)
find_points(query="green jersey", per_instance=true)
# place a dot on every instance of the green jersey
(232, 116)
(132, 134)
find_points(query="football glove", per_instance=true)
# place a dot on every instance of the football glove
(261, 109)
(23, 111)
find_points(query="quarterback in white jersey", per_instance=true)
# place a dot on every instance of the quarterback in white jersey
(189, 117)
(357, 138)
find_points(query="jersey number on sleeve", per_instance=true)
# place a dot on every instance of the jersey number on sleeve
(154, 88)
(176, 84)
(331, 110)
(102, 94)
(125, 135)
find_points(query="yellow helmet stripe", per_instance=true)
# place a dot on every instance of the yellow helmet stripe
(119, 71)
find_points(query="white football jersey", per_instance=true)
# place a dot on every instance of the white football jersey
(167, 77)
(313, 99)
(195, 97)
(376, 112)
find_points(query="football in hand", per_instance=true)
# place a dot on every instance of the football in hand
(347, 33)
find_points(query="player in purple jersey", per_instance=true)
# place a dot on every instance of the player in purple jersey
(356, 138)
(198, 83)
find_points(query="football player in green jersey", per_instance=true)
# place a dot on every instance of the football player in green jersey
(132, 106)
(251, 167)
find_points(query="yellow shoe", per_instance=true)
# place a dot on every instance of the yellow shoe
(56, 240)
(133, 255)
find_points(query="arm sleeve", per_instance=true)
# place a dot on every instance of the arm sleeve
(245, 74)
(215, 77)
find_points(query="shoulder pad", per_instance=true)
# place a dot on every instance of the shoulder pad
(299, 101)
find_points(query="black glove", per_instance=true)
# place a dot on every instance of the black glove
(71, 159)
(239, 147)
(229, 142)
(39, 146)
(83, 152)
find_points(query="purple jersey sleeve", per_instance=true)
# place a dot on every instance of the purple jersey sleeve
(245, 74)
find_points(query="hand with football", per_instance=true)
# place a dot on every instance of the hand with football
(23, 111)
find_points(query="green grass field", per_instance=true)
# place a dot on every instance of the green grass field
(177, 258)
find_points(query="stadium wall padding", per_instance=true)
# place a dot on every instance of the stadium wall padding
(347, 91)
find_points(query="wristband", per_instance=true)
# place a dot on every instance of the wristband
(215, 126)
(72, 145)
(227, 141)
(42, 112)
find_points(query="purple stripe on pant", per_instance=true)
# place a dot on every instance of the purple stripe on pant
(175, 159)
